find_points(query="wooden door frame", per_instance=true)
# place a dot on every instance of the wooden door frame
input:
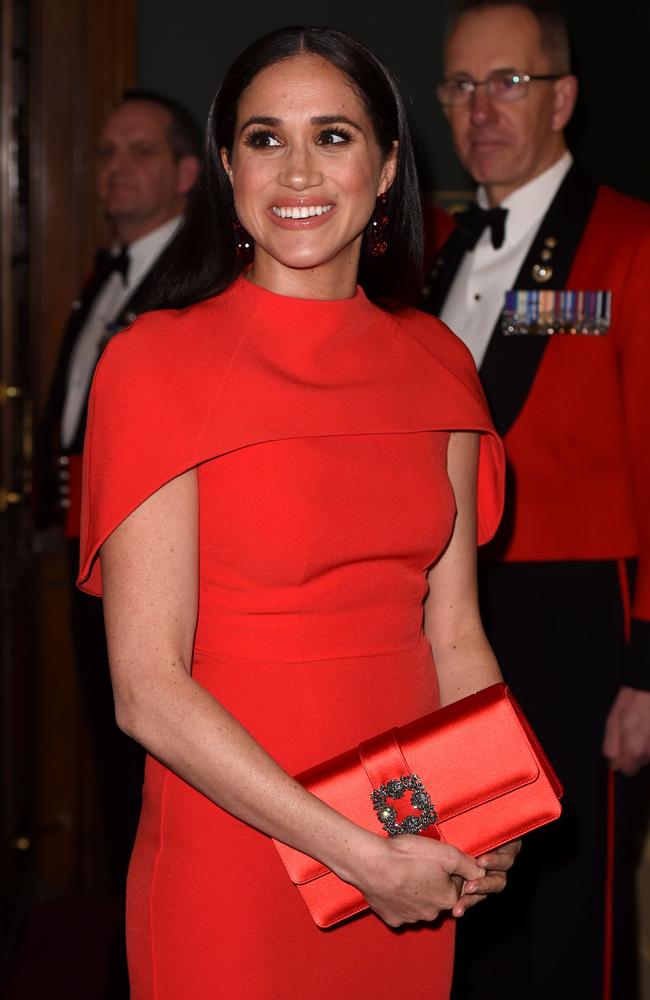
(82, 56)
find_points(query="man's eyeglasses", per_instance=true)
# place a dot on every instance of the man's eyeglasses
(500, 85)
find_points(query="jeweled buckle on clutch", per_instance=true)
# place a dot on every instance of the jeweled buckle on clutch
(420, 800)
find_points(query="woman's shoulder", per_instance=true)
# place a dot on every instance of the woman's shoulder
(442, 371)
(440, 342)
(168, 343)
(157, 338)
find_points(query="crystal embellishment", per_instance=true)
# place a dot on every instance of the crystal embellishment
(395, 789)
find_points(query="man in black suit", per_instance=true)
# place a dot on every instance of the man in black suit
(564, 358)
(147, 163)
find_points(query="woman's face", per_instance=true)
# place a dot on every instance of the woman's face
(306, 170)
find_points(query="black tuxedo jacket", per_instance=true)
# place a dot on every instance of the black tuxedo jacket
(48, 447)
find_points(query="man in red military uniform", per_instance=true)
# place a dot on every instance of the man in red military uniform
(545, 279)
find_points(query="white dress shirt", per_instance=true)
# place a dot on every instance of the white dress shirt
(103, 312)
(477, 294)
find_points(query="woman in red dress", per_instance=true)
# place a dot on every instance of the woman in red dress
(286, 474)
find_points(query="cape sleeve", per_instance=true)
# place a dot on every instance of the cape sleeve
(175, 390)
(491, 489)
(467, 410)
(141, 433)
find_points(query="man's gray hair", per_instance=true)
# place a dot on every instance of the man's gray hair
(554, 35)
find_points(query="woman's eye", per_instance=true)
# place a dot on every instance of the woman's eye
(261, 139)
(334, 137)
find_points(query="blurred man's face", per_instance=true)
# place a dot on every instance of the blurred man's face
(505, 144)
(139, 183)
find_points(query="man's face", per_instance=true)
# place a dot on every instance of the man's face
(139, 183)
(505, 144)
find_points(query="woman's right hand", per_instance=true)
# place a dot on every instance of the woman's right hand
(413, 878)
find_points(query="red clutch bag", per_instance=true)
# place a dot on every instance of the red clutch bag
(472, 774)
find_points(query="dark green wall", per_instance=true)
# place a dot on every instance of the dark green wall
(184, 47)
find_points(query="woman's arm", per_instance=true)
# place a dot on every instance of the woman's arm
(463, 657)
(150, 574)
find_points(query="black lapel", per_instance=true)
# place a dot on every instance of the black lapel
(76, 320)
(129, 311)
(47, 444)
(511, 363)
(443, 273)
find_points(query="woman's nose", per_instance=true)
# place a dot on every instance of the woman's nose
(300, 168)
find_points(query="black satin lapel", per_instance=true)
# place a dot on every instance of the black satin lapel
(511, 363)
(129, 311)
(443, 273)
(47, 443)
(76, 320)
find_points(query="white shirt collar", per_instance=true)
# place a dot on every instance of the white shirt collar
(529, 203)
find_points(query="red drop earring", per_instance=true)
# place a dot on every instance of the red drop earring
(243, 240)
(377, 239)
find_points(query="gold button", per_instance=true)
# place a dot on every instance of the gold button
(542, 273)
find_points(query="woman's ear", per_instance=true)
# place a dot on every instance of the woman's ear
(225, 161)
(388, 170)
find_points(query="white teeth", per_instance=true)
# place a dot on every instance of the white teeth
(302, 212)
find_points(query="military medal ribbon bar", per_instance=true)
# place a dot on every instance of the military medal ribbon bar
(548, 311)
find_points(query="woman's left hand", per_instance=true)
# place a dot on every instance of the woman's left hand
(496, 863)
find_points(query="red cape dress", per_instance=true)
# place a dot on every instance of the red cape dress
(320, 432)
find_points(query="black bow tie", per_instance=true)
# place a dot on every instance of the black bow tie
(106, 262)
(475, 219)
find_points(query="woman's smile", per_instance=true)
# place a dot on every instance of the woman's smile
(301, 214)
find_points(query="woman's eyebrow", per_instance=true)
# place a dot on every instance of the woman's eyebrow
(260, 120)
(334, 120)
(316, 120)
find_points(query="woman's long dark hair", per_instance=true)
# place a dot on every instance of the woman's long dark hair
(201, 261)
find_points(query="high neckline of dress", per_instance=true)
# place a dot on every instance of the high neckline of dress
(275, 304)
